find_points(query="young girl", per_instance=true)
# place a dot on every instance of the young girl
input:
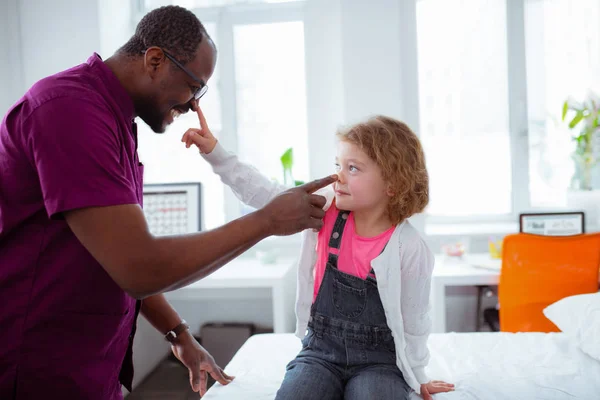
(364, 279)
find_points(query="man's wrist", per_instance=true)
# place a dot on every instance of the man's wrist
(174, 335)
(262, 219)
(184, 338)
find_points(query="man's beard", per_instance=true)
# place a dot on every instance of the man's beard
(154, 119)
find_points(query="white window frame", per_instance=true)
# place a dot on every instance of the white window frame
(226, 18)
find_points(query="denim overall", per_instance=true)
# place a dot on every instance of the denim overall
(348, 352)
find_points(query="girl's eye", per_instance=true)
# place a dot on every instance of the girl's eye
(337, 167)
(352, 168)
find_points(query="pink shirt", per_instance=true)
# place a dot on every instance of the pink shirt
(356, 252)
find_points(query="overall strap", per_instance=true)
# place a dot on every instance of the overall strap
(335, 241)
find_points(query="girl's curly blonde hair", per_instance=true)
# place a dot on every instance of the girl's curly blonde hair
(398, 152)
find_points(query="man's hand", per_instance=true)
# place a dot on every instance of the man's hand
(198, 362)
(433, 387)
(202, 138)
(297, 209)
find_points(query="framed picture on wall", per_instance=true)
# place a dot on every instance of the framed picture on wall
(174, 208)
(553, 224)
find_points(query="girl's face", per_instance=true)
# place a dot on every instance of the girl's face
(360, 186)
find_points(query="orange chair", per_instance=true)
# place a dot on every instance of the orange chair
(540, 270)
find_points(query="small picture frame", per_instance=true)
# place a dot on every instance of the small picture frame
(173, 208)
(553, 224)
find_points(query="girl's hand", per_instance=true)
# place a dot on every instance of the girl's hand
(433, 387)
(202, 138)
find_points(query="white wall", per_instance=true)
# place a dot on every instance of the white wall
(39, 38)
(56, 35)
(371, 59)
(115, 25)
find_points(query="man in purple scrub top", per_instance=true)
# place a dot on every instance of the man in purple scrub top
(77, 262)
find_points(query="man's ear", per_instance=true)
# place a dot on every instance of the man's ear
(154, 60)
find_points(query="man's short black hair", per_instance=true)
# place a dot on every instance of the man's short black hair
(173, 28)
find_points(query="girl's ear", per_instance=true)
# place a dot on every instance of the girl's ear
(389, 191)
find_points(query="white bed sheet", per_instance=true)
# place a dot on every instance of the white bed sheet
(484, 366)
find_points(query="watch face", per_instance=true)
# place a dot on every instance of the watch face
(178, 330)
(170, 336)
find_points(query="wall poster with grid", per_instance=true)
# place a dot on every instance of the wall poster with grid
(173, 209)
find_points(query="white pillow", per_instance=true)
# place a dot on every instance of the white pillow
(579, 317)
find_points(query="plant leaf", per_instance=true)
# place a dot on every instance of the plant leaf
(578, 117)
(287, 159)
(565, 109)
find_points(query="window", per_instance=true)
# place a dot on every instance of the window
(563, 60)
(463, 96)
(271, 96)
(166, 159)
(465, 53)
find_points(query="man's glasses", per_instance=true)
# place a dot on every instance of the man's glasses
(202, 89)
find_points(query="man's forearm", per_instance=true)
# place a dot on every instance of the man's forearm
(185, 259)
(145, 265)
(161, 315)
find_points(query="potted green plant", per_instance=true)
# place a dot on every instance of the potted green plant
(287, 162)
(584, 120)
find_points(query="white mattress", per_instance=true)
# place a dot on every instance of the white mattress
(484, 366)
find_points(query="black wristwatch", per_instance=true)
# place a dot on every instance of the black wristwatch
(174, 333)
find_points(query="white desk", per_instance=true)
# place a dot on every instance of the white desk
(249, 273)
(280, 280)
(470, 270)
